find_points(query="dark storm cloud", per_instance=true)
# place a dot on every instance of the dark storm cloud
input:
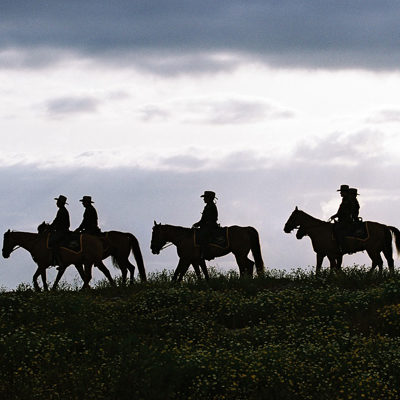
(181, 35)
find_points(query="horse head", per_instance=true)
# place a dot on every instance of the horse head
(300, 233)
(292, 222)
(7, 245)
(157, 239)
(43, 227)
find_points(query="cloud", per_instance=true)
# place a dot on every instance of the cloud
(63, 106)
(186, 35)
(341, 149)
(385, 116)
(225, 110)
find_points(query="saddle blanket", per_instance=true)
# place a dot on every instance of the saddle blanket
(218, 238)
(72, 242)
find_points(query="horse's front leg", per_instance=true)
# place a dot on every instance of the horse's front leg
(87, 275)
(44, 279)
(320, 258)
(203, 267)
(196, 269)
(60, 272)
(181, 269)
(35, 278)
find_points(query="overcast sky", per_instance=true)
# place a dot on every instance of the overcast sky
(145, 104)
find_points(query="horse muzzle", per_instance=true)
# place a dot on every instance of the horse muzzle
(286, 229)
(6, 254)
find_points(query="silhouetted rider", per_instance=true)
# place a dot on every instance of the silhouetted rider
(344, 217)
(89, 222)
(59, 227)
(208, 222)
(354, 204)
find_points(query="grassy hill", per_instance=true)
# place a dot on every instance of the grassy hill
(286, 336)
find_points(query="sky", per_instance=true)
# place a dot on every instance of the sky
(144, 105)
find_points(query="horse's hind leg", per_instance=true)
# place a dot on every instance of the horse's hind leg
(376, 261)
(245, 265)
(180, 271)
(388, 253)
(106, 272)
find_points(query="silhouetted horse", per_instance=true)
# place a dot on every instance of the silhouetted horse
(324, 243)
(240, 241)
(36, 244)
(118, 245)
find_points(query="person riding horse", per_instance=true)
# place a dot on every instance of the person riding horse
(89, 222)
(346, 215)
(59, 227)
(208, 222)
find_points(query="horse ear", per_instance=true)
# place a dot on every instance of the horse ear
(296, 209)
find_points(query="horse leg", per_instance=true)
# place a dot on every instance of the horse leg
(44, 280)
(60, 273)
(81, 271)
(245, 265)
(339, 261)
(180, 271)
(203, 267)
(376, 261)
(196, 269)
(35, 277)
(388, 253)
(88, 276)
(320, 258)
(332, 262)
(106, 272)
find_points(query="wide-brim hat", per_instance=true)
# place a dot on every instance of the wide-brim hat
(353, 191)
(61, 198)
(86, 199)
(343, 188)
(209, 193)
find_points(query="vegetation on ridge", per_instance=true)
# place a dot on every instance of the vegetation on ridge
(285, 336)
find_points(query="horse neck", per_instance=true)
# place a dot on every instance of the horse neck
(310, 221)
(174, 234)
(25, 239)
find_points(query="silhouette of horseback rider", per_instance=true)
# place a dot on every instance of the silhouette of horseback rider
(89, 222)
(208, 222)
(354, 204)
(346, 215)
(59, 228)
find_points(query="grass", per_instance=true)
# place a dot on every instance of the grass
(285, 336)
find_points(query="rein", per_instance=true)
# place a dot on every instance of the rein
(166, 245)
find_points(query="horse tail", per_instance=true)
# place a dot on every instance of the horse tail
(256, 250)
(135, 248)
(396, 234)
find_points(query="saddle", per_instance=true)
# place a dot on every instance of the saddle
(218, 238)
(357, 230)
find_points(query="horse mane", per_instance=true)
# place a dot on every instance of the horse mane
(314, 219)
